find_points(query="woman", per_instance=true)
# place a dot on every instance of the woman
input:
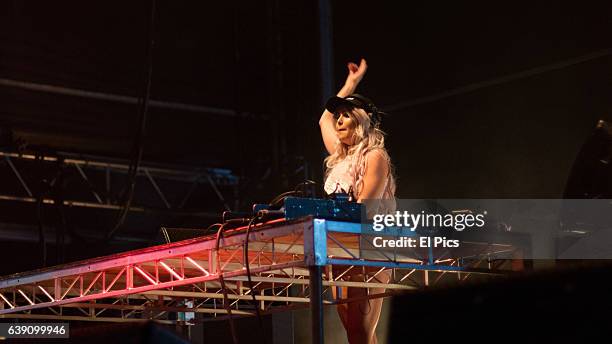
(358, 164)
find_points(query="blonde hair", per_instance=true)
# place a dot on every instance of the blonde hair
(366, 138)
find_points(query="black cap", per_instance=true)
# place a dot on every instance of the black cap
(354, 100)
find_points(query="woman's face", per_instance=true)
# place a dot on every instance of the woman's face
(345, 127)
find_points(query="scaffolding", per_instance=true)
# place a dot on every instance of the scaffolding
(96, 185)
(293, 264)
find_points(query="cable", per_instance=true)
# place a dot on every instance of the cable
(139, 139)
(222, 282)
(303, 185)
(208, 229)
(165, 235)
(259, 216)
(275, 203)
(222, 227)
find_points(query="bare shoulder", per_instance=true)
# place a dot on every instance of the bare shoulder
(377, 159)
(377, 155)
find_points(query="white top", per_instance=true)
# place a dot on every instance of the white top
(341, 178)
(347, 175)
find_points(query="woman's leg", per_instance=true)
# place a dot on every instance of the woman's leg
(363, 315)
(342, 308)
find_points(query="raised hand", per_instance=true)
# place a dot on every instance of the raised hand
(327, 121)
(356, 73)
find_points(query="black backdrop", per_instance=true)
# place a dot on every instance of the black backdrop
(513, 138)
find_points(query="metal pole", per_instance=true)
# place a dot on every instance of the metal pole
(165, 171)
(316, 303)
(116, 98)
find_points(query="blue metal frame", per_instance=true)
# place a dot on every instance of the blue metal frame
(320, 242)
(319, 246)
(380, 264)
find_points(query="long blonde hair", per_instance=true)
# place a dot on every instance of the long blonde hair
(366, 138)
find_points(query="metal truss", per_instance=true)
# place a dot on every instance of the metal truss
(173, 282)
(95, 189)
(124, 99)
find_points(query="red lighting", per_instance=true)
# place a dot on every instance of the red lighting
(170, 270)
(7, 301)
(145, 275)
(25, 296)
(197, 266)
(46, 293)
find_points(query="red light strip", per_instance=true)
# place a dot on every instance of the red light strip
(170, 270)
(7, 301)
(46, 293)
(145, 275)
(25, 296)
(92, 283)
(197, 266)
(70, 287)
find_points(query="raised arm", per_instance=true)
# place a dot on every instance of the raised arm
(327, 122)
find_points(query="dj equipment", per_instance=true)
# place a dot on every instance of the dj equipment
(330, 209)
(338, 208)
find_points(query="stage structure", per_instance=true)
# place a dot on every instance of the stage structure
(293, 263)
(97, 174)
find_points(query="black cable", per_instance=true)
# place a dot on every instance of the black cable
(223, 289)
(139, 139)
(226, 304)
(248, 270)
(208, 229)
(296, 191)
(276, 202)
(303, 185)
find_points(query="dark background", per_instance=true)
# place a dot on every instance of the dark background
(510, 138)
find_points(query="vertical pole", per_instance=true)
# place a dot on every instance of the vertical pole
(262, 304)
(57, 288)
(316, 303)
(129, 277)
(316, 242)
